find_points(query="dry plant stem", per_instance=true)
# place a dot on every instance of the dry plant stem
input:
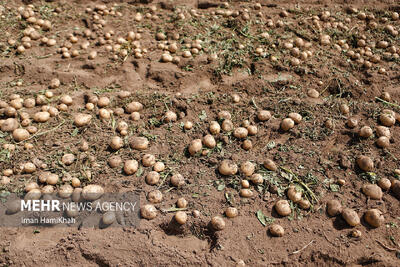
(303, 248)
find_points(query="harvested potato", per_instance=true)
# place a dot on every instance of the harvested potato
(152, 178)
(218, 223)
(365, 163)
(92, 192)
(276, 230)
(270, 165)
(264, 115)
(247, 168)
(282, 207)
(384, 183)
(148, 212)
(82, 119)
(177, 180)
(195, 146)
(227, 168)
(20, 134)
(374, 217)
(181, 217)
(333, 207)
(139, 143)
(246, 193)
(155, 196)
(293, 194)
(372, 191)
(231, 212)
(351, 217)
(131, 166)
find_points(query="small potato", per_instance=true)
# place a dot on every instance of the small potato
(148, 160)
(159, 166)
(20, 134)
(384, 183)
(365, 163)
(247, 168)
(351, 217)
(227, 126)
(352, 122)
(270, 165)
(396, 189)
(276, 230)
(103, 101)
(116, 142)
(296, 117)
(29, 167)
(387, 119)
(152, 178)
(133, 107)
(65, 191)
(131, 166)
(181, 217)
(92, 192)
(181, 203)
(114, 161)
(293, 194)
(209, 141)
(68, 159)
(54, 83)
(282, 207)
(214, 128)
(195, 146)
(30, 186)
(240, 133)
(333, 207)
(82, 119)
(218, 223)
(9, 125)
(372, 191)
(170, 116)
(52, 179)
(383, 131)
(304, 204)
(365, 132)
(231, 212)
(247, 145)
(67, 100)
(246, 193)
(188, 125)
(227, 168)
(383, 142)
(139, 143)
(264, 115)
(108, 218)
(34, 194)
(148, 212)
(224, 115)
(155, 196)
(252, 129)
(177, 180)
(374, 217)
(257, 178)
(287, 124)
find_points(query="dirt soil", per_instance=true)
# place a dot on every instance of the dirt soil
(197, 89)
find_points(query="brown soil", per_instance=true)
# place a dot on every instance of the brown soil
(197, 90)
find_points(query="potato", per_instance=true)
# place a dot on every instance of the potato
(82, 119)
(383, 131)
(352, 122)
(270, 165)
(108, 218)
(374, 217)
(188, 125)
(116, 143)
(227, 125)
(372, 191)
(13, 207)
(131, 166)
(247, 168)
(304, 204)
(276, 230)
(293, 194)
(65, 191)
(152, 178)
(396, 189)
(384, 183)
(139, 143)
(20, 134)
(148, 160)
(195, 146)
(181, 203)
(104, 114)
(148, 212)
(92, 192)
(264, 115)
(282, 207)
(181, 217)
(387, 119)
(252, 129)
(287, 124)
(29, 167)
(218, 223)
(246, 193)
(365, 163)
(170, 116)
(103, 101)
(214, 128)
(52, 179)
(133, 107)
(155, 196)
(42, 116)
(365, 132)
(247, 145)
(34, 194)
(257, 178)
(9, 125)
(351, 217)
(240, 132)
(177, 180)
(231, 212)
(333, 207)
(114, 161)
(209, 141)
(383, 142)
(66, 99)
(30, 186)
(159, 166)
(68, 159)
(296, 117)
(227, 168)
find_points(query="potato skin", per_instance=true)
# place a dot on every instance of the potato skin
(333, 207)
(351, 217)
